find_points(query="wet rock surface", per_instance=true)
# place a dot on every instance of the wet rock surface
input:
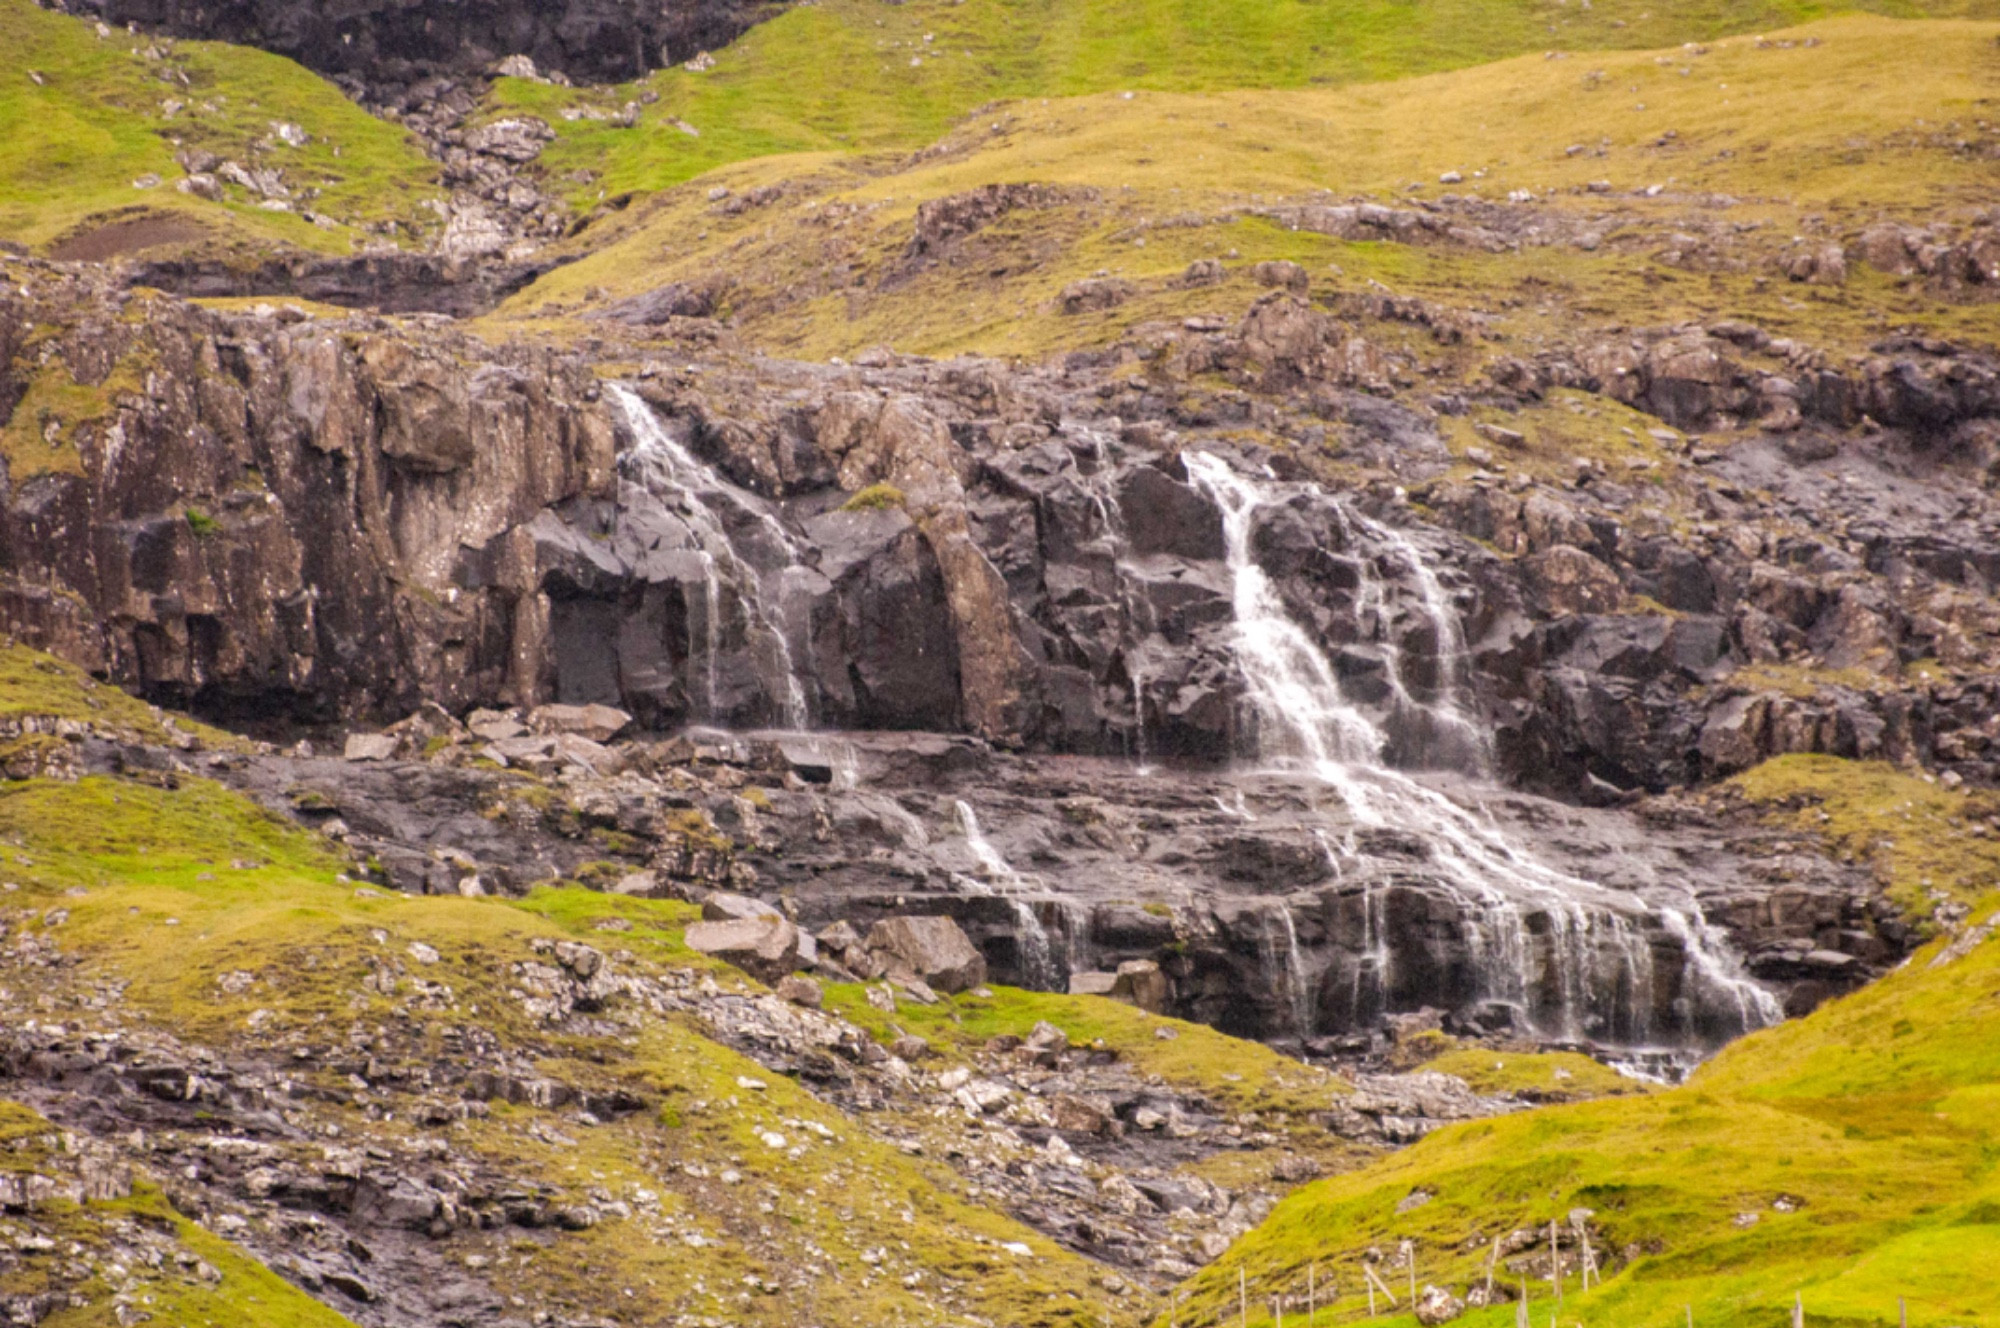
(365, 1160)
(1062, 565)
(1046, 574)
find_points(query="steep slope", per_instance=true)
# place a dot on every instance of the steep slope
(848, 76)
(99, 125)
(545, 1106)
(1847, 1159)
(1617, 187)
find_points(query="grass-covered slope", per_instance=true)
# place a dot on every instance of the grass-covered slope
(170, 890)
(83, 117)
(178, 916)
(848, 75)
(1847, 1159)
(1833, 125)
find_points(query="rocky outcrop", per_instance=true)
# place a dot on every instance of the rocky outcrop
(283, 516)
(389, 44)
(315, 517)
(383, 283)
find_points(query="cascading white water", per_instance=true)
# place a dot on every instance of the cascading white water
(1302, 716)
(1039, 969)
(1464, 737)
(997, 868)
(1135, 609)
(1280, 954)
(1304, 722)
(660, 465)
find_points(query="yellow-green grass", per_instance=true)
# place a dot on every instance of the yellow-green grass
(1848, 119)
(38, 685)
(1875, 1120)
(839, 75)
(1237, 1074)
(246, 1292)
(72, 145)
(170, 890)
(834, 1195)
(1926, 841)
(1551, 1076)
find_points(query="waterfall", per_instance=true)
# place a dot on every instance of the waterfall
(1039, 969)
(997, 868)
(1280, 955)
(1135, 610)
(1303, 722)
(1302, 717)
(658, 464)
(1441, 714)
(1713, 968)
(1138, 673)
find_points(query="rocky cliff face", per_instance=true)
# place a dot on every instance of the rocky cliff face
(267, 515)
(386, 45)
(344, 518)
(299, 519)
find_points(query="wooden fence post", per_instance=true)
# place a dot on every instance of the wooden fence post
(1376, 1281)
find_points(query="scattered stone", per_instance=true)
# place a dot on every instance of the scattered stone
(369, 747)
(1090, 982)
(801, 991)
(721, 906)
(598, 723)
(1436, 1305)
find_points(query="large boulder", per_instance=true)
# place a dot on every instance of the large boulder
(767, 949)
(598, 723)
(1140, 982)
(934, 949)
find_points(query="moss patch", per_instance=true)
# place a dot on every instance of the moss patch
(83, 117)
(1928, 842)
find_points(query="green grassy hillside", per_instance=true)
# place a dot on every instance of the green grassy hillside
(1848, 1159)
(169, 890)
(1830, 126)
(856, 75)
(83, 117)
(177, 897)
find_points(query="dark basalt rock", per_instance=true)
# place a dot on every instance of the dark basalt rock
(393, 42)
(384, 283)
(427, 517)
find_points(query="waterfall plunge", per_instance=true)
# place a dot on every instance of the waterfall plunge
(659, 465)
(1303, 721)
